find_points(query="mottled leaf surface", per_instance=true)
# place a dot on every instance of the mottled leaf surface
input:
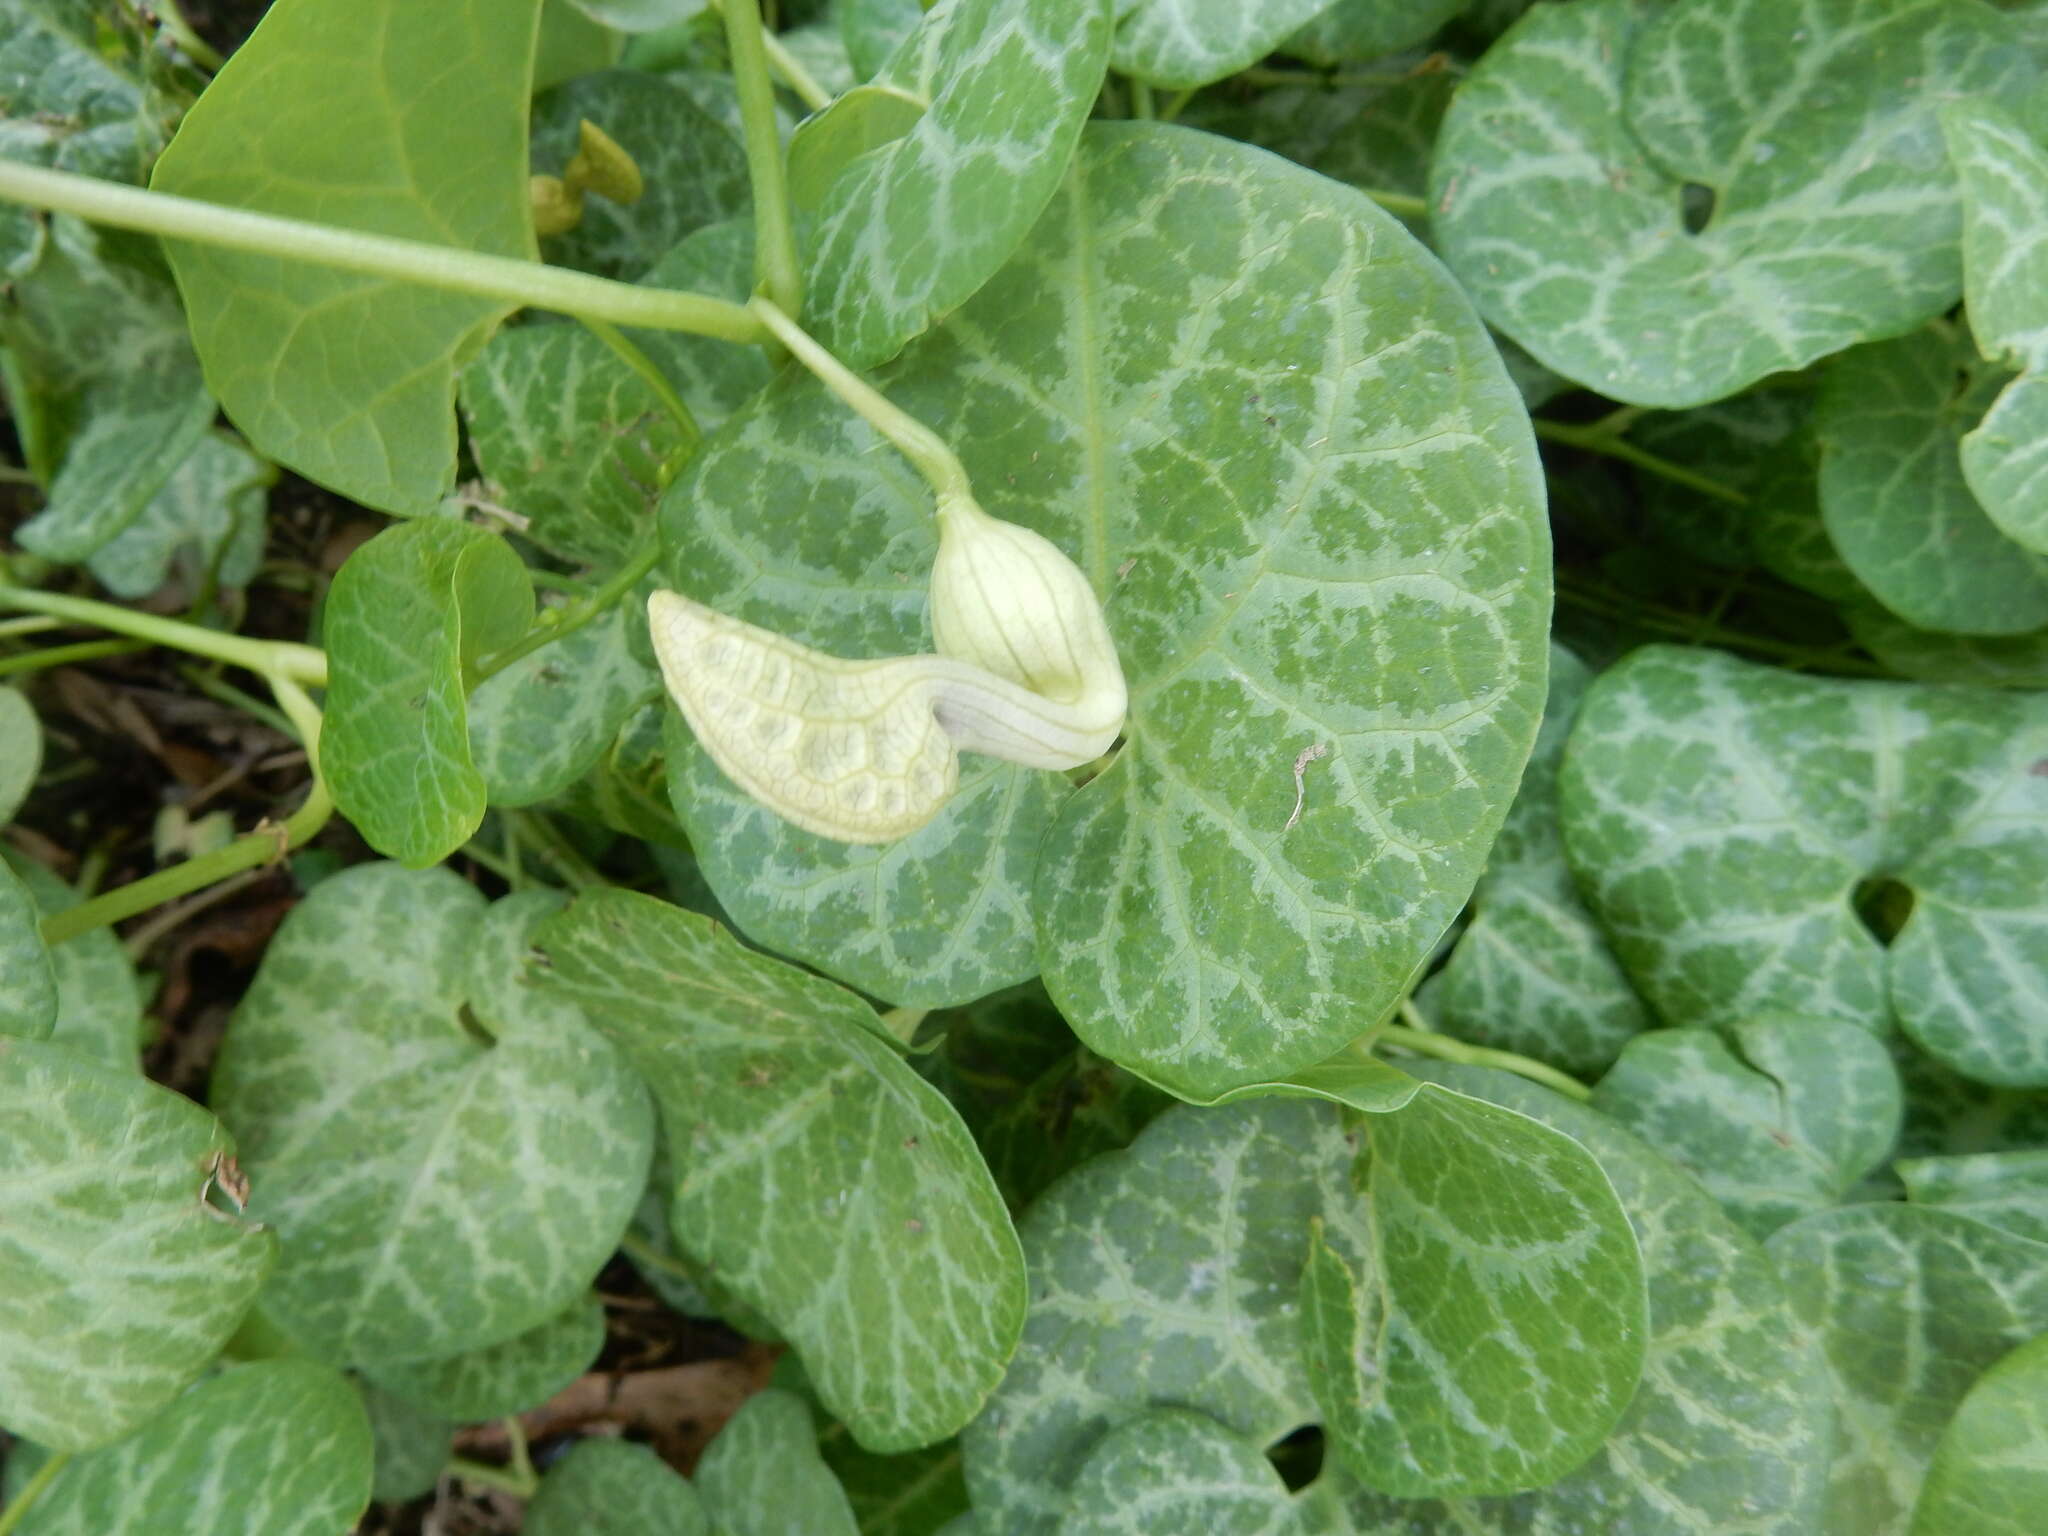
(207, 520)
(99, 1000)
(1888, 425)
(875, 29)
(411, 1448)
(1303, 486)
(762, 1476)
(28, 985)
(505, 1378)
(1172, 1470)
(279, 1446)
(911, 1495)
(1532, 972)
(1356, 31)
(408, 615)
(912, 228)
(1186, 43)
(2004, 174)
(1911, 1305)
(1726, 1436)
(1722, 815)
(449, 1157)
(787, 1116)
(1777, 1119)
(118, 1281)
(383, 116)
(1559, 186)
(2004, 1189)
(614, 1488)
(1990, 1471)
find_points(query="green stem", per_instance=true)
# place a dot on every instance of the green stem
(578, 613)
(304, 664)
(1175, 105)
(1597, 439)
(640, 1251)
(221, 691)
(775, 264)
(32, 1490)
(1426, 1042)
(9, 475)
(643, 365)
(786, 64)
(1402, 204)
(1142, 105)
(64, 655)
(912, 438)
(549, 843)
(1687, 627)
(39, 625)
(483, 1475)
(196, 48)
(507, 279)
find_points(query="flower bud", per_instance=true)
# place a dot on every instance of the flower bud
(557, 208)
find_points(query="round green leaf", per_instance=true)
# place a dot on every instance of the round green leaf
(1723, 817)
(1567, 164)
(1911, 1305)
(1990, 1471)
(280, 1446)
(420, 133)
(119, 1280)
(449, 1157)
(614, 1488)
(507, 1377)
(914, 227)
(788, 1113)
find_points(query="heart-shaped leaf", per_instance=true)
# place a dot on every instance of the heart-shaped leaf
(1778, 1121)
(408, 616)
(1911, 1305)
(1989, 1476)
(506, 1378)
(1668, 202)
(912, 228)
(1367, 630)
(2004, 172)
(1724, 817)
(785, 1108)
(449, 1157)
(346, 378)
(119, 1281)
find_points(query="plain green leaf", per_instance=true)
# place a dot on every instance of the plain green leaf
(543, 722)
(1489, 1332)
(570, 439)
(411, 1448)
(449, 1157)
(1911, 1305)
(1723, 816)
(788, 1117)
(614, 1488)
(572, 43)
(21, 751)
(1776, 1122)
(763, 1476)
(1990, 1471)
(693, 170)
(2009, 661)
(2004, 173)
(1358, 31)
(1559, 186)
(28, 984)
(386, 116)
(280, 1446)
(1165, 1275)
(2008, 1190)
(1381, 595)
(1727, 1433)
(408, 615)
(826, 143)
(913, 228)
(507, 1377)
(1532, 972)
(208, 519)
(1181, 44)
(118, 1280)
(1172, 1470)
(1888, 426)
(99, 1001)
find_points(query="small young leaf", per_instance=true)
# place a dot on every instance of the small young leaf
(411, 1448)
(615, 1488)
(21, 751)
(1887, 425)
(785, 1111)
(422, 134)
(1185, 43)
(1561, 182)
(1989, 1476)
(915, 227)
(279, 1446)
(1172, 1470)
(28, 985)
(119, 1281)
(449, 1156)
(1953, 1296)
(2008, 1190)
(1777, 1123)
(407, 617)
(99, 1000)
(507, 1377)
(1359, 31)
(763, 1476)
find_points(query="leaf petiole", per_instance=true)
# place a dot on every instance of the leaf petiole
(1600, 438)
(776, 271)
(1427, 1042)
(304, 664)
(32, 1490)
